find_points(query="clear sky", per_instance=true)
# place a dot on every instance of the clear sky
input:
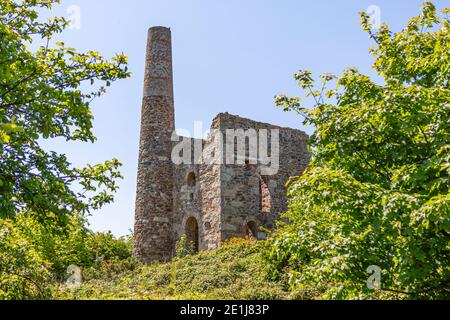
(229, 56)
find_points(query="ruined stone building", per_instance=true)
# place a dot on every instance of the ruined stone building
(208, 201)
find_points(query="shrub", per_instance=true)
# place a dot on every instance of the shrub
(183, 248)
(32, 256)
(24, 273)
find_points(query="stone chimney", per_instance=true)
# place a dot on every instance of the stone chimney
(154, 200)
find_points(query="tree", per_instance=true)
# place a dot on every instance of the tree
(43, 96)
(376, 194)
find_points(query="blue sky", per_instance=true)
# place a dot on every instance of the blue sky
(229, 55)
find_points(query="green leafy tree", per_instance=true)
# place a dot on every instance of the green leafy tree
(44, 95)
(377, 190)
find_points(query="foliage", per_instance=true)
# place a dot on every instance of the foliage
(377, 190)
(183, 248)
(41, 97)
(32, 258)
(239, 241)
(43, 199)
(23, 272)
(234, 271)
(86, 249)
(106, 246)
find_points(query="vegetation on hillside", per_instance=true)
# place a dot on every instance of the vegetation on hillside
(34, 265)
(235, 271)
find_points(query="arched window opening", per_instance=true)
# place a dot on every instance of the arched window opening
(252, 230)
(191, 179)
(264, 194)
(192, 233)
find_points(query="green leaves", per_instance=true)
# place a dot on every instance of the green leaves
(43, 95)
(34, 257)
(377, 190)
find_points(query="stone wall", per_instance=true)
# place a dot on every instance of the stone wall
(186, 199)
(200, 200)
(244, 188)
(210, 196)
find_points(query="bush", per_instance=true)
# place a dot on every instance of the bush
(183, 248)
(33, 256)
(24, 273)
